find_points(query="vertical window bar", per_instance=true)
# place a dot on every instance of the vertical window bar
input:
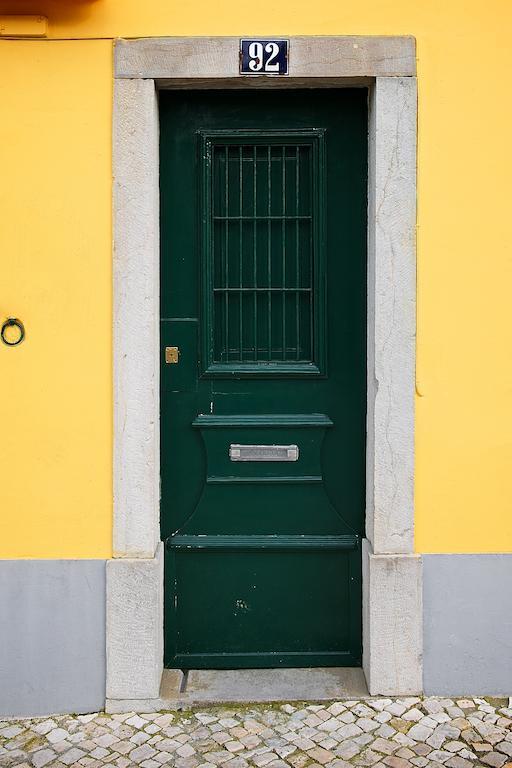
(283, 245)
(312, 257)
(226, 250)
(254, 251)
(297, 293)
(269, 250)
(240, 179)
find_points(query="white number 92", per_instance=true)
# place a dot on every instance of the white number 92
(256, 63)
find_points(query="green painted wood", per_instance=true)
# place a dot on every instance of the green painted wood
(263, 289)
(262, 420)
(262, 542)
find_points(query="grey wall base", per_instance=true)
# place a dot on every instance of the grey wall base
(52, 645)
(467, 603)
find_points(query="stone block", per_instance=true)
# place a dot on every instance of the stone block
(392, 623)
(391, 315)
(135, 627)
(136, 319)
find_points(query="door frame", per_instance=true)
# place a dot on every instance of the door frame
(392, 579)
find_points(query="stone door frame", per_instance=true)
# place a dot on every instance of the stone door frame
(392, 583)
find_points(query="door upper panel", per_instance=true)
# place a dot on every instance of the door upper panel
(263, 284)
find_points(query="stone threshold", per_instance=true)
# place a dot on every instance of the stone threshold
(182, 690)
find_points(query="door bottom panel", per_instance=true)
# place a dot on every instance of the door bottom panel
(291, 603)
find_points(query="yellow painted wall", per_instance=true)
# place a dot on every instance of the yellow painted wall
(55, 274)
(55, 399)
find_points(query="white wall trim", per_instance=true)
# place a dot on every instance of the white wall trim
(141, 66)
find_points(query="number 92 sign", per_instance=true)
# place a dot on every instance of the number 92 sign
(263, 57)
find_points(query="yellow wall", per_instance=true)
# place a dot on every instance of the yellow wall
(55, 274)
(55, 400)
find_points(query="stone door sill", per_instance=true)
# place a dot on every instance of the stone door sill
(195, 687)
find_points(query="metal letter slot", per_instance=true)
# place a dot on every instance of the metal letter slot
(239, 452)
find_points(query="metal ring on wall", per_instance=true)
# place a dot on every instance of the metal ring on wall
(12, 321)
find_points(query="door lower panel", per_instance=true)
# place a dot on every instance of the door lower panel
(234, 600)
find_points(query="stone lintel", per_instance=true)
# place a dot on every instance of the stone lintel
(217, 57)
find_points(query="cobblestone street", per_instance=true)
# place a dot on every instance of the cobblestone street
(378, 732)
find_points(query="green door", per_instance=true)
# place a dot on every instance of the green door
(263, 290)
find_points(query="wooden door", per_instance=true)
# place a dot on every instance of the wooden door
(263, 291)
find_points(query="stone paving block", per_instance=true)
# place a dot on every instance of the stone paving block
(383, 717)
(396, 762)
(43, 757)
(366, 724)
(421, 749)
(440, 717)
(481, 746)
(429, 722)
(347, 731)
(396, 709)
(299, 760)
(458, 762)
(385, 746)
(413, 714)
(405, 752)
(57, 735)
(431, 705)
(361, 710)
(261, 760)
(348, 749)
(331, 724)
(419, 732)
(321, 755)
(454, 746)
(494, 759)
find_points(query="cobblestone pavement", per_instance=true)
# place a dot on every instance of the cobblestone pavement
(382, 733)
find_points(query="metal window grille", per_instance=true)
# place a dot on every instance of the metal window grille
(262, 249)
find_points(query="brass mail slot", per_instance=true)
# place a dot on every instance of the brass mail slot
(239, 452)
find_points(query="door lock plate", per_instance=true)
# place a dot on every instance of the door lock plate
(172, 355)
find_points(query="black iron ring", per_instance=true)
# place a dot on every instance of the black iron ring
(8, 324)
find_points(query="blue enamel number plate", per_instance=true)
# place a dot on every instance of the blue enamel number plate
(263, 57)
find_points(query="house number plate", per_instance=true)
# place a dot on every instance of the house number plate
(263, 57)
(239, 452)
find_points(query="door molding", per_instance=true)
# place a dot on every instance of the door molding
(392, 605)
